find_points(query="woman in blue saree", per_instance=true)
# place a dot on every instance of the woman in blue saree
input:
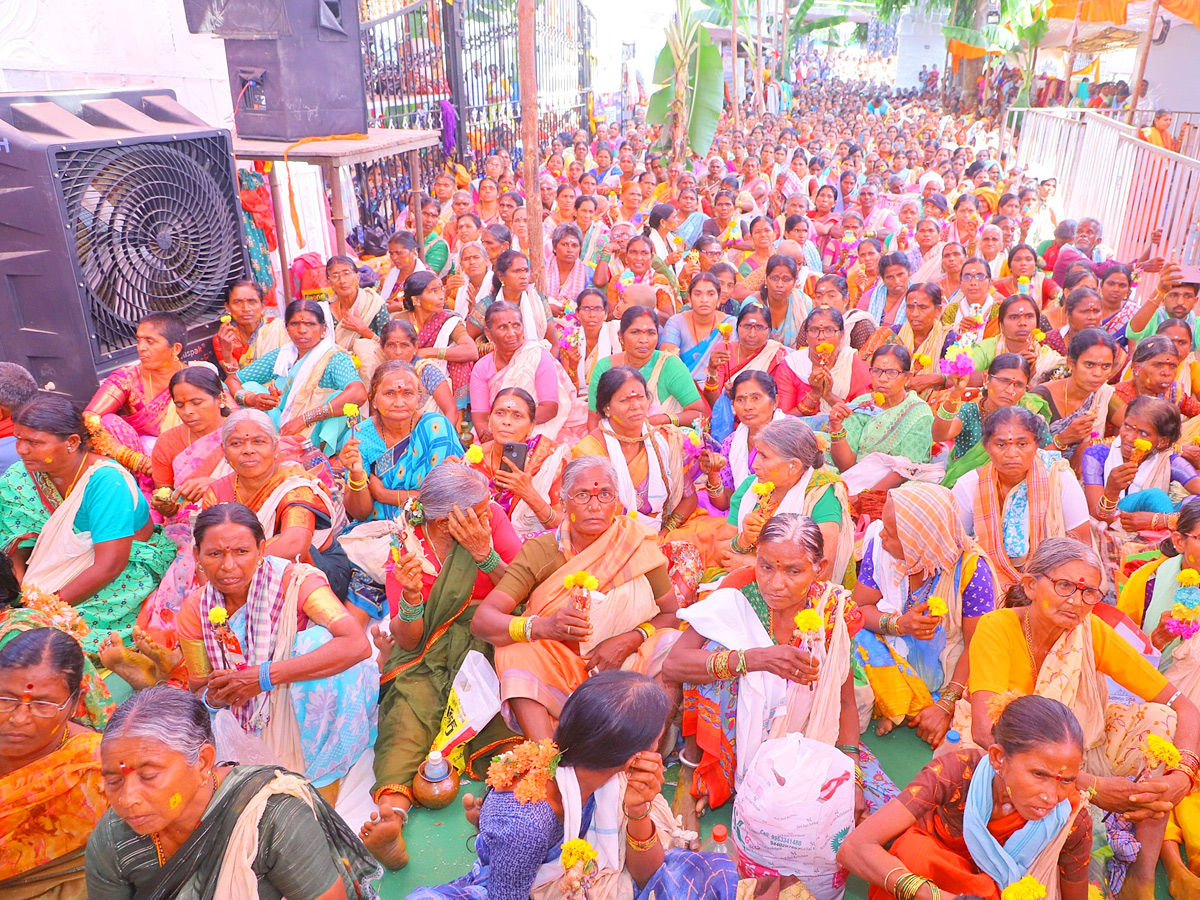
(695, 334)
(386, 460)
(610, 726)
(305, 385)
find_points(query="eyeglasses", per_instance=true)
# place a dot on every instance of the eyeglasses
(713, 251)
(1004, 384)
(40, 709)
(1066, 588)
(583, 498)
(885, 373)
(822, 330)
(975, 276)
(753, 326)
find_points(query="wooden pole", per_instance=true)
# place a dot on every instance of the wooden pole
(531, 151)
(1071, 49)
(280, 236)
(733, 41)
(337, 208)
(758, 62)
(1143, 52)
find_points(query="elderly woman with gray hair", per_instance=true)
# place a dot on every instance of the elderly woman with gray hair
(453, 547)
(790, 477)
(180, 825)
(596, 596)
(748, 675)
(299, 515)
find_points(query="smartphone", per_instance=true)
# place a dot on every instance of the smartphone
(1190, 274)
(514, 455)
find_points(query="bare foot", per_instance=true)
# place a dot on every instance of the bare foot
(686, 809)
(165, 659)
(884, 727)
(384, 837)
(382, 638)
(471, 809)
(131, 665)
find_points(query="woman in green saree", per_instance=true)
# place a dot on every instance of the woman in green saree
(305, 385)
(448, 556)
(181, 827)
(75, 524)
(962, 420)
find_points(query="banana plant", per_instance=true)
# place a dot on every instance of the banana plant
(1023, 24)
(688, 104)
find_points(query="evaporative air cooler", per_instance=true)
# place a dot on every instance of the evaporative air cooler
(112, 206)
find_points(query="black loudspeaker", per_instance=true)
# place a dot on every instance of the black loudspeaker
(112, 206)
(295, 66)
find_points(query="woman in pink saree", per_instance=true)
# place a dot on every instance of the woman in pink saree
(133, 404)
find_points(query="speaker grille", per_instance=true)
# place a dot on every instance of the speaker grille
(156, 229)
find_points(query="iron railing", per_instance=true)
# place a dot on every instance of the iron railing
(1105, 171)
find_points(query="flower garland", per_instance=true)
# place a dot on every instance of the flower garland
(106, 445)
(1028, 888)
(526, 770)
(1184, 620)
(61, 614)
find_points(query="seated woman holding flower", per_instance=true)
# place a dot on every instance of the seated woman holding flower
(1149, 595)
(186, 457)
(245, 332)
(922, 586)
(596, 596)
(399, 340)
(987, 823)
(75, 525)
(1153, 371)
(51, 790)
(701, 332)
(923, 334)
(751, 350)
(825, 371)
(528, 493)
(268, 639)
(1048, 642)
(599, 826)
(767, 654)
(454, 549)
(442, 336)
(755, 404)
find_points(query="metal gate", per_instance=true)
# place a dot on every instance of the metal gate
(453, 67)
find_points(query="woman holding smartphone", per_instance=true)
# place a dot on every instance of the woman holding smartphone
(524, 469)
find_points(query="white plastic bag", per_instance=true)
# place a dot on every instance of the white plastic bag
(474, 702)
(793, 810)
(235, 745)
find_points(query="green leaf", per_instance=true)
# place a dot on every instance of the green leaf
(659, 106)
(803, 28)
(708, 96)
(664, 67)
(991, 38)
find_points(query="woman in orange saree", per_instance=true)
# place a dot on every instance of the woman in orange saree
(623, 616)
(974, 822)
(51, 792)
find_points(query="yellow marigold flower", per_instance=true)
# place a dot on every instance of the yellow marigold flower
(1179, 611)
(1038, 334)
(589, 582)
(350, 410)
(162, 493)
(825, 348)
(1143, 445)
(577, 851)
(1028, 888)
(225, 320)
(763, 488)
(357, 362)
(808, 621)
(1189, 578)
(218, 616)
(923, 360)
(726, 329)
(474, 454)
(878, 398)
(1024, 279)
(1159, 750)
(937, 607)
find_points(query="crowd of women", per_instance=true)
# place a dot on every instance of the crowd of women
(840, 427)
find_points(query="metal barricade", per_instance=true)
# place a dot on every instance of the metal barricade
(1105, 171)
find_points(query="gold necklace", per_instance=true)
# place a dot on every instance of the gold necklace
(1029, 644)
(78, 472)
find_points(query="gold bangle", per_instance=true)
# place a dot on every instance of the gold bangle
(516, 629)
(642, 846)
(647, 629)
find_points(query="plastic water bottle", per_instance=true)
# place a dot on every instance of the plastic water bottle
(953, 737)
(719, 843)
(436, 767)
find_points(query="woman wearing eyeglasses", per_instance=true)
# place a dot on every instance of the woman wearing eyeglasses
(1006, 384)
(1049, 643)
(51, 790)
(567, 633)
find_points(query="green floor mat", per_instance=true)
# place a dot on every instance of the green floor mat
(440, 841)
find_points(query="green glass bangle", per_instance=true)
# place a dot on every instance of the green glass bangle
(488, 564)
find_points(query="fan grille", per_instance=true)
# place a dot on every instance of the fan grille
(156, 230)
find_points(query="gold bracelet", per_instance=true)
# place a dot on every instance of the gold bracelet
(647, 629)
(642, 846)
(516, 629)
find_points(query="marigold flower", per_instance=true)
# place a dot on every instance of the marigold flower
(577, 851)
(763, 488)
(225, 320)
(1188, 578)
(1028, 888)
(350, 410)
(1142, 444)
(937, 607)
(1039, 335)
(474, 454)
(1159, 750)
(218, 615)
(725, 328)
(808, 621)
(825, 348)
(878, 398)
